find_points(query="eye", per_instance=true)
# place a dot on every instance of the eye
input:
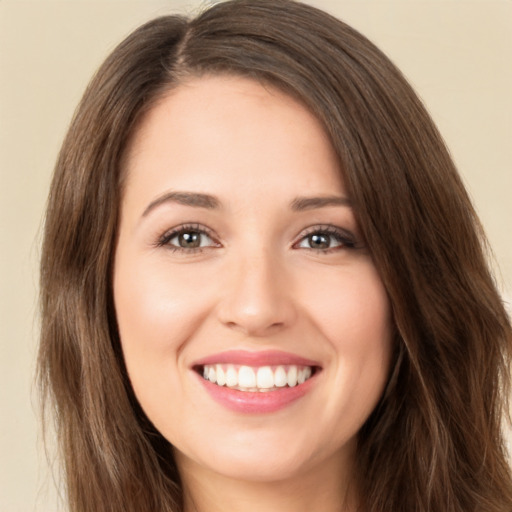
(325, 239)
(187, 238)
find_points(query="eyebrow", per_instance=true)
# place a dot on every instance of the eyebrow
(194, 199)
(209, 202)
(310, 203)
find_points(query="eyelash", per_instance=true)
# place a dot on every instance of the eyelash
(345, 239)
(164, 240)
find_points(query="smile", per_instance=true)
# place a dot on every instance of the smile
(258, 382)
(256, 379)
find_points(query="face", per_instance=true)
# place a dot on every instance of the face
(250, 312)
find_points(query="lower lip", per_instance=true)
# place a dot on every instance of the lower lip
(256, 402)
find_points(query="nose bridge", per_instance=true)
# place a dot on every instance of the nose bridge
(257, 299)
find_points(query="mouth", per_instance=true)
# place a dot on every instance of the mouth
(256, 379)
(256, 382)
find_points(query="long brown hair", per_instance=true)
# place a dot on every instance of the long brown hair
(434, 442)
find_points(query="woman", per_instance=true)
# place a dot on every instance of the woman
(263, 283)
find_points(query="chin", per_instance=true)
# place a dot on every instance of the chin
(262, 456)
(250, 466)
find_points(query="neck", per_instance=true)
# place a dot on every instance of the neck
(326, 489)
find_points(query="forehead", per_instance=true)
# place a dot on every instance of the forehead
(217, 128)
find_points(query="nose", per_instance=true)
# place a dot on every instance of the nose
(258, 296)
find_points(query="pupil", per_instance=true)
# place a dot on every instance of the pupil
(319, 241)
(190, 239)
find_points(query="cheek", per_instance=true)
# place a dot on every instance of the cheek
(155, 307)
(157, 311)
(352, 308)
(355, 319)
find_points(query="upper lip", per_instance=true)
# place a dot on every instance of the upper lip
(256, 358)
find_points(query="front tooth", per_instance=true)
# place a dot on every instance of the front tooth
(221, 376)
(246, 377)
(265, 377)
(212, 376)
(280, 377)
(231, 377)
(292, 376)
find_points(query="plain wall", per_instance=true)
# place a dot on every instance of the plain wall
(456, 53)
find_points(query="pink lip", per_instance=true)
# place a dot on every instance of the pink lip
(258, 358)
(256, 402)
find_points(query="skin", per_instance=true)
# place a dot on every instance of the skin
(256, 283)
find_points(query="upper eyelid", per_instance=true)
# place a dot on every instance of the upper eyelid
(347, 238)
(172, 232)
(188, 227)
(326, 228)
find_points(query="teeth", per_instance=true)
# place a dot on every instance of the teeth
(280, 377)
(292, 376)
(221, 376)
(263, 378)
(246, 377)
(231, 377)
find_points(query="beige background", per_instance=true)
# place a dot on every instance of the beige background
(456, 53)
